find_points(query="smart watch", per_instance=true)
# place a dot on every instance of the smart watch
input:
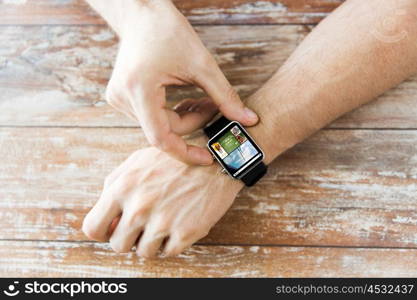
(236, 151)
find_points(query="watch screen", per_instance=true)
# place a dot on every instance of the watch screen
(235, 149)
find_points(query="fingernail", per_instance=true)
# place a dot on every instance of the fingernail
(250, 114)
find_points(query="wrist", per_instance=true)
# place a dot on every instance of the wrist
(274, 142)
(274, 136)
(287, 117)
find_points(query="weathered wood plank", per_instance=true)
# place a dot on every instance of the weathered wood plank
(198, 12)
(63, 259)
(341, 187)
(56, 76)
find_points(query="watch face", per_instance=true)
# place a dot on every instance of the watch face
(235, 150)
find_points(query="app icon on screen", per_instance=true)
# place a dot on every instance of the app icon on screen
(238, 135)
(219, 150)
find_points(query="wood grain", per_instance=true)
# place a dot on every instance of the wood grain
(56, 76)
(198, 12)
(340, 188)
(63, 259)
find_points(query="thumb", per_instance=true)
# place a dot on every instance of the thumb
(218, 88)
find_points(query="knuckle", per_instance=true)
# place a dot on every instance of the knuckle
(118, 247)
(113, 98)
(231, 94)
(122, 187)
(91, 231)
(134, 84)
(137, 218)
(158, 226)
(205, 62)
(130, 83)
(157, 141)
(149, 175)
(231, 100)
(162, 227)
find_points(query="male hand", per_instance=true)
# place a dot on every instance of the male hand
(163, 203)
(159, 48)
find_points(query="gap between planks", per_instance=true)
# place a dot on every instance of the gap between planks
(225, 244)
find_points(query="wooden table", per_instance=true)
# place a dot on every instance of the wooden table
(343, 203)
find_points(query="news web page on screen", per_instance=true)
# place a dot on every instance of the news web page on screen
(235, 149)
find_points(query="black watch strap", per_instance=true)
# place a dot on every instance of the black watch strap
(216, 126)
(256, 172)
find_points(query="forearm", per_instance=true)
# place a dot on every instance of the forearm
(120, 13)
(348, 60)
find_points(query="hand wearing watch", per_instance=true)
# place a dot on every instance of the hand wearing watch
(236, 151)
